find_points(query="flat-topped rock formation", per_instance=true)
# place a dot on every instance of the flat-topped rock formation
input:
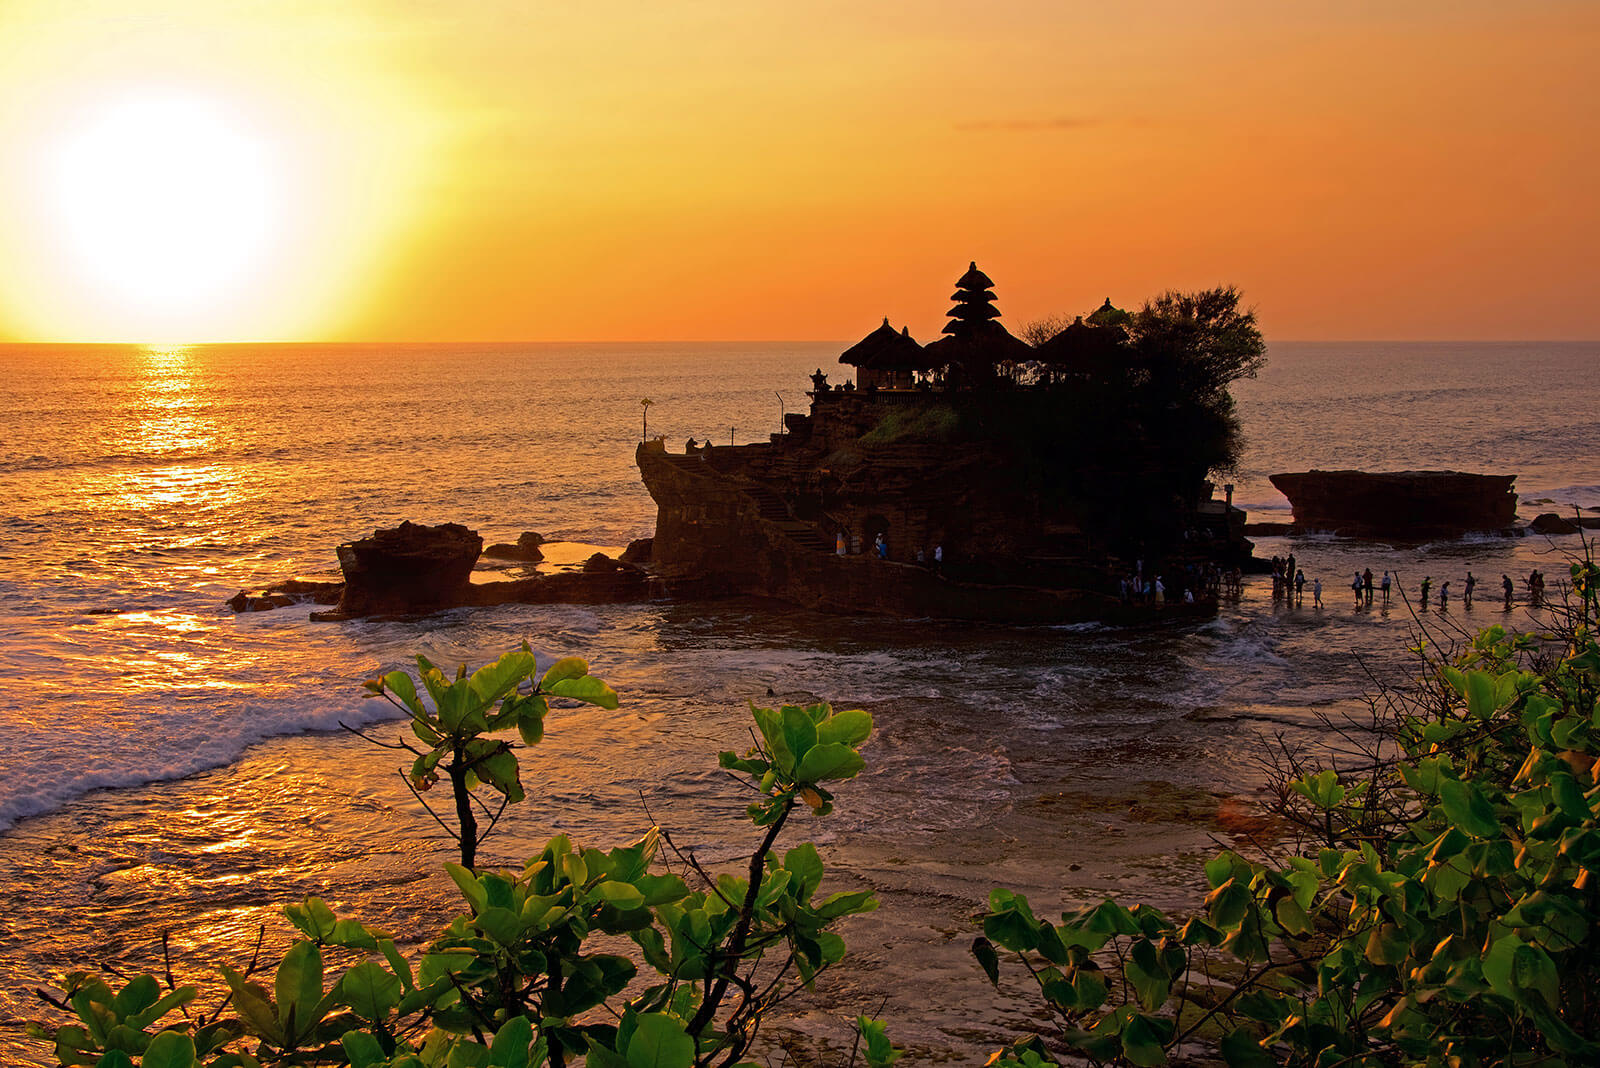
(407, 569)
(414, 569)
(1400, 504)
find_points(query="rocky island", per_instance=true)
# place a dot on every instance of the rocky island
(979, 476)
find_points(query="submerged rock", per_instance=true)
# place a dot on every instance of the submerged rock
(527, 548)
(1551, 523)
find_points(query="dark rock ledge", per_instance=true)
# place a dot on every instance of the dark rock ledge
(414, 569)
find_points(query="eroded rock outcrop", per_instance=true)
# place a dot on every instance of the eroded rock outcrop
(1399, 504)
(407, 569)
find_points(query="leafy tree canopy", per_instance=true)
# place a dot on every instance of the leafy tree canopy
(1198, 343)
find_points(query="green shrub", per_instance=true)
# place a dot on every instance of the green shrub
(1448, 917)
(528, 973)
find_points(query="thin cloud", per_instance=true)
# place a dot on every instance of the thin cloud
(984, 125)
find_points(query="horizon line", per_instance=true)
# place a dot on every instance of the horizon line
(751, 341)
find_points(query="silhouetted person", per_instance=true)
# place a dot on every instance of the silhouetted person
(1427, 584)
(1505, 584)
(1466, 593)
(1366, 584)
(1385, 587)
(1444, 595)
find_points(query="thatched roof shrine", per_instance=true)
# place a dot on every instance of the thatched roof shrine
(887, 349)
(1083, 347)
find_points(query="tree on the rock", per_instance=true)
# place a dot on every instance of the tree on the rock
(1195, 345)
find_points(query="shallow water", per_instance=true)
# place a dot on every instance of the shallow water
(170, 766)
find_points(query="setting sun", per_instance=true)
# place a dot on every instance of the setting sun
(203, 173)
(165, 201)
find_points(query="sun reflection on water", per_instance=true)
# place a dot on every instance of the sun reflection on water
(167, 410)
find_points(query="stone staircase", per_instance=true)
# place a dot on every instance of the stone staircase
(774, 511)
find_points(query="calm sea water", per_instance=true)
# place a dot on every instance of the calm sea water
(167, 765)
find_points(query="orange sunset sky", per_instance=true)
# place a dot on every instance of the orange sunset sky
(194, 170)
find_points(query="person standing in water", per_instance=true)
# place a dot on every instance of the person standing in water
(1366, 584)
(1427, 584)
(1316, 593)
(1444, 595)
(1386, 587)
(1508, 587)
(1466, 594)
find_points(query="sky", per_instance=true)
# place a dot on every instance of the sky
(489, 170)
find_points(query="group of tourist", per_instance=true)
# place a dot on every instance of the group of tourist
(1189, 582)
(850, 545)
(1289, 583)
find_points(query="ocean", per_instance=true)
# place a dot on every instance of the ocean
(169, 766)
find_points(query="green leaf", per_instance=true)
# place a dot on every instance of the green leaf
(1467, 808)
(1219, 869)
(363, 1050)
(1143, 1038)
(471, 888)
(846, 728)
(831, 760)
(169, 1049)
(254, 1006)
(659, 1041)
(399, 683)
(137, 996)
(530, 719)
(1569, 796)
(805, 865)
(588, 689)
(1241, 1049)
(1150, 981)
(502, 771)
(569, 667)
(181, 996)
(799, 734)
(622, 895)
(369, 990)
(313, 918)
(493, 681)
(1292, 917)
(1480, 694)
(298, 986)
(510, 1048)
(1498, 964)
(1229, 904)
(1534, 971)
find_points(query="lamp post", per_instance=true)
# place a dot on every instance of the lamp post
(645, 404)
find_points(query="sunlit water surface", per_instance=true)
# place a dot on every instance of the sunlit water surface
(167, 766)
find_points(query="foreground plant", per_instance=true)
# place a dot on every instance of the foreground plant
(1448, 915)
(454, 730)
(531, 973)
